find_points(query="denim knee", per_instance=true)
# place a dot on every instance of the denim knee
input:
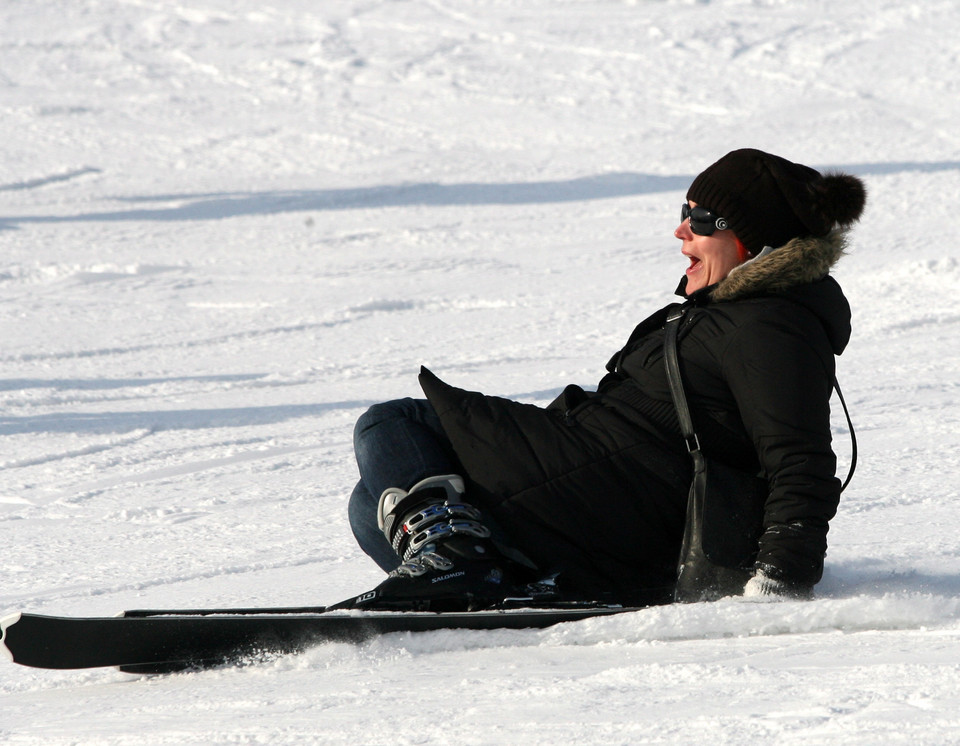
(378, 413)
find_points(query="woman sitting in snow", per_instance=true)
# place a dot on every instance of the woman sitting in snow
(467, 500)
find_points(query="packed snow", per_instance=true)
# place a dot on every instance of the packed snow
(229, 226)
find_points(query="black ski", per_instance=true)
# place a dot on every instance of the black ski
(164, 641)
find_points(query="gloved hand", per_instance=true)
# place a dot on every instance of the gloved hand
(763, 587)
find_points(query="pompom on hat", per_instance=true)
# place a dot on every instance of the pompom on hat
(767, 200)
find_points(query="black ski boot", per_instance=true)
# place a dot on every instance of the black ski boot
(450, 563)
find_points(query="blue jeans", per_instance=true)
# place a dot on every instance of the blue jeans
(397, 444)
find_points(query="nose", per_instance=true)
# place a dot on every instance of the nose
(683, 231)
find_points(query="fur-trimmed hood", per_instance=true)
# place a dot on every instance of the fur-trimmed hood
(799, 272)
(774, 271)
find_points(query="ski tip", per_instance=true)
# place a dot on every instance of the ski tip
(6, 622)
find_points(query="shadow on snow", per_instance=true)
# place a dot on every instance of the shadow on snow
(219, 205)
(178, 419)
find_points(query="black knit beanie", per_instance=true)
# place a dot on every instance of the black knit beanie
(767, 200)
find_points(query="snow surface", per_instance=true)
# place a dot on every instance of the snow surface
(229, 226)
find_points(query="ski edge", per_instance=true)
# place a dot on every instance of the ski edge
(5, 622)
(227, 611)
(574, 609)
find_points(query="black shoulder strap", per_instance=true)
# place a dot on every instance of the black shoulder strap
(853, 436)
(671, 329)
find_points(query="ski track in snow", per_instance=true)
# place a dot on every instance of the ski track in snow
(228, 228)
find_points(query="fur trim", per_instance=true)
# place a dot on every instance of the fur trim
(797, 262)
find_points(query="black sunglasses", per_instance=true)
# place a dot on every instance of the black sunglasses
(702, 221)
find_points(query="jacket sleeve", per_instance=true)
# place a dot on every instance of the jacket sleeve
(780, 373)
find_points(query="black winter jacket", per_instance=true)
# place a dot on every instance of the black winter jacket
(595, 485)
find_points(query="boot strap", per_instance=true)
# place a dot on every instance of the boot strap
(440, 531)
(437, 522)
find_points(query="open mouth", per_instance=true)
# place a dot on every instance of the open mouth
(694, 263)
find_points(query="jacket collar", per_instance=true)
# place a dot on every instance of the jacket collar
(774, 271)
